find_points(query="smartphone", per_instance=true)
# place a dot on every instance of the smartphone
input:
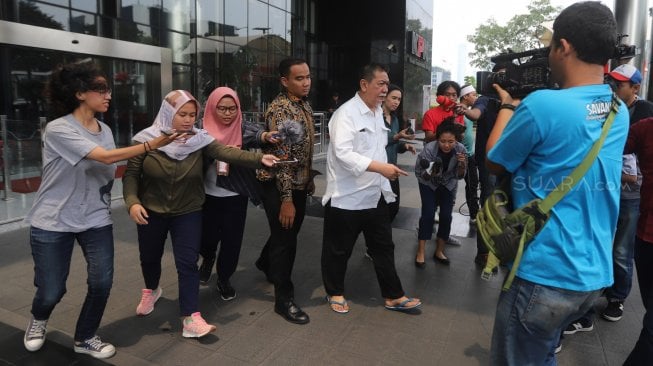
(169, 132)
(289, 161)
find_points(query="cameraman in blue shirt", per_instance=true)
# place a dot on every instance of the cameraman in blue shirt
(567, 265)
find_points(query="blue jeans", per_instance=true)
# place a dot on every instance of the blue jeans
(186, 235)
(623, 250)
(430, 200)
(52, 252)
(529, 320)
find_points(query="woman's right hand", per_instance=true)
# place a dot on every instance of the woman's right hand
(138, 213)
(163, 140)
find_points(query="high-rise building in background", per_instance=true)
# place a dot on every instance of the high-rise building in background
(149, 47)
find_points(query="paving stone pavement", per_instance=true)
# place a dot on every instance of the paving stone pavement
(453, 327)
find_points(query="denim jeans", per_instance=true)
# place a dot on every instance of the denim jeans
(623, 250)
(529, 319)
(642, 354)
(185, 234)
(52, 253)
(430, 200)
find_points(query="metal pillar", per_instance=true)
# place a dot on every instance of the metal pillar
(632, 20)
(6, 177)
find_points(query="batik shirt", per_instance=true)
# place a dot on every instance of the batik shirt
(289, 177)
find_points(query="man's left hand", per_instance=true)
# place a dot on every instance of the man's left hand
(287, 214)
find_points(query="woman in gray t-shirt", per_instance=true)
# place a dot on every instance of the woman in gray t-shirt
(74, 203)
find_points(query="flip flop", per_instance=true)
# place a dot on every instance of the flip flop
(402, 307)
(340, 303)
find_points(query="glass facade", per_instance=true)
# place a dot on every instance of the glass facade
(196, 45)
(417, 66)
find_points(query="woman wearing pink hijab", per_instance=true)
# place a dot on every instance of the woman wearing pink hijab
(227, 188)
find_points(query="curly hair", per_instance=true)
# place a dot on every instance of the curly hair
(66, 81)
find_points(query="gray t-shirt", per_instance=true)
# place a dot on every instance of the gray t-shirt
(75, 193)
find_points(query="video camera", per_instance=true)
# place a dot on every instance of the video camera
(624, 51)
(524, 72)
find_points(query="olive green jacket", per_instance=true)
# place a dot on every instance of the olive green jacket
(174, 187)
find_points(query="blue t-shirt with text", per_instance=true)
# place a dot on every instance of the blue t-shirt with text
(547, 137)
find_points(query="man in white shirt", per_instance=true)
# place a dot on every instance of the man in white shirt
(358, 193)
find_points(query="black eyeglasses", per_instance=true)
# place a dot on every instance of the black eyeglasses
(102, 91)
(231, 109)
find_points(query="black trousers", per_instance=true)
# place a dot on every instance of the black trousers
(487, 182)
(393, 207)
(223, 222)
(642, 354)
(278, 254)
(341, 229)
(471, 186)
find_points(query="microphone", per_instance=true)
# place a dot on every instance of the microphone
(445, 102)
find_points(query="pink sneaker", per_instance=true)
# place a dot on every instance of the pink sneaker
(195, 326)
(148, 299)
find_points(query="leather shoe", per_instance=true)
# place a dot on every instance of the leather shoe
(419, 264)
(291, 312)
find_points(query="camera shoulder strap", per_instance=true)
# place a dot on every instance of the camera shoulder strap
(571, 180)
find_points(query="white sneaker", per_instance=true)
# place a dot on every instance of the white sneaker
(35, 334)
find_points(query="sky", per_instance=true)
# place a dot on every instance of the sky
(462, 20)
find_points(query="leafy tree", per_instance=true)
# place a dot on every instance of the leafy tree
(519, 34)
(471, 80)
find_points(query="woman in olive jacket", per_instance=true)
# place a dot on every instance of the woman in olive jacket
(164, 191)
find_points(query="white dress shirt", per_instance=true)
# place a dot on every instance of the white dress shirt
(358, 136)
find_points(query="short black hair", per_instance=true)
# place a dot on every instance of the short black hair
(66, 81)
(287, 63)
(367, 72)
(591, 28)
(442, 88)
